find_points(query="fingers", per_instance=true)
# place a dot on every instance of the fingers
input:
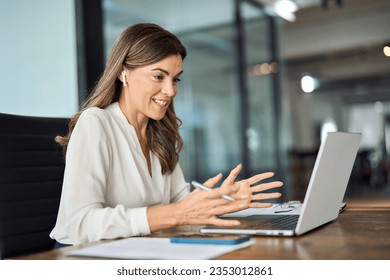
(242, 190)
(228, 208)
(259, 177)
(260, 204)
(264, 196)
(267, 186)
(233, 175)
(213, 181)
(222, 222)
(214, 197)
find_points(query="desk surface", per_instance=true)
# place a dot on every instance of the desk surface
(358, 233)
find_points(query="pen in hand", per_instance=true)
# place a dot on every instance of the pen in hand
(203, 187)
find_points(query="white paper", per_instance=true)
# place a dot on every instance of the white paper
(144, 248)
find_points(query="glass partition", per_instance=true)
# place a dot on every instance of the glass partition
(208, 102)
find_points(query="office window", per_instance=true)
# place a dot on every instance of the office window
(261, 70)
(208, 99)
(38, 58)
(256, 111)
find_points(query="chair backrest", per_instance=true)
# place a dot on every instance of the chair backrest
(31, 174)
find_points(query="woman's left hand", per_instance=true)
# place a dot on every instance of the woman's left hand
(256, 192)
(249, 189)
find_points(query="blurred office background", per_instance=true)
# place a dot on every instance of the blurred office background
(260, 86)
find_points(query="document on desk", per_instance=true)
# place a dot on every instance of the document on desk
(288, 208)
(143, 248)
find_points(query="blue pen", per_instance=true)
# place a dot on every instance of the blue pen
(203, 187)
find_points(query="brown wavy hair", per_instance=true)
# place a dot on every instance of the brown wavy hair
(139, 45)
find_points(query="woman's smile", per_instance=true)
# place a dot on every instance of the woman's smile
(161, 102)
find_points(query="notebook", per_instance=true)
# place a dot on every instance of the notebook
(324, 195)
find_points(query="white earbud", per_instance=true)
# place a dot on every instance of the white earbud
(123, 78)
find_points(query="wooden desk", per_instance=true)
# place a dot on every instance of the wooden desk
(359, 233)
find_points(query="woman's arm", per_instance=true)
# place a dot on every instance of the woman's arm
(84, 213)
(201, 207)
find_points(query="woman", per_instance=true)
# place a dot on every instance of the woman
(122, 176)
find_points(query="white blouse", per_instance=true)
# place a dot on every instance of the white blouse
(107, 186)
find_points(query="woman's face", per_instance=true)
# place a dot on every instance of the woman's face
(150, 89)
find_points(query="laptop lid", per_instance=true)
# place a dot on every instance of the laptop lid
(325, 192)
(329, 180)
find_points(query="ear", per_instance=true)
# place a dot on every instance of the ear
(122, 77)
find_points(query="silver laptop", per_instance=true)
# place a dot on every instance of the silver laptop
(324, 195)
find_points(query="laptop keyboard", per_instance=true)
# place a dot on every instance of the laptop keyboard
(269, 222)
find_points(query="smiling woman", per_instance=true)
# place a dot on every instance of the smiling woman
(149, 94)
(122, 176)
(150, 85)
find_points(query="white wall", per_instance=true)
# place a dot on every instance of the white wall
(367, 119)
(38, 69)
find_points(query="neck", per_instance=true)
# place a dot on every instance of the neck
(138, 121)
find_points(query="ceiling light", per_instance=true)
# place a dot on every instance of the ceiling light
(308, 83)
(386, 50)
(286, 9)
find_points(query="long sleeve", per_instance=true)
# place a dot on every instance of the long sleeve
(107, 186)
(85, 185)
(180, 188)
(88, 167)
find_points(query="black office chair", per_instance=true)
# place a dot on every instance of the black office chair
(31, 174)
